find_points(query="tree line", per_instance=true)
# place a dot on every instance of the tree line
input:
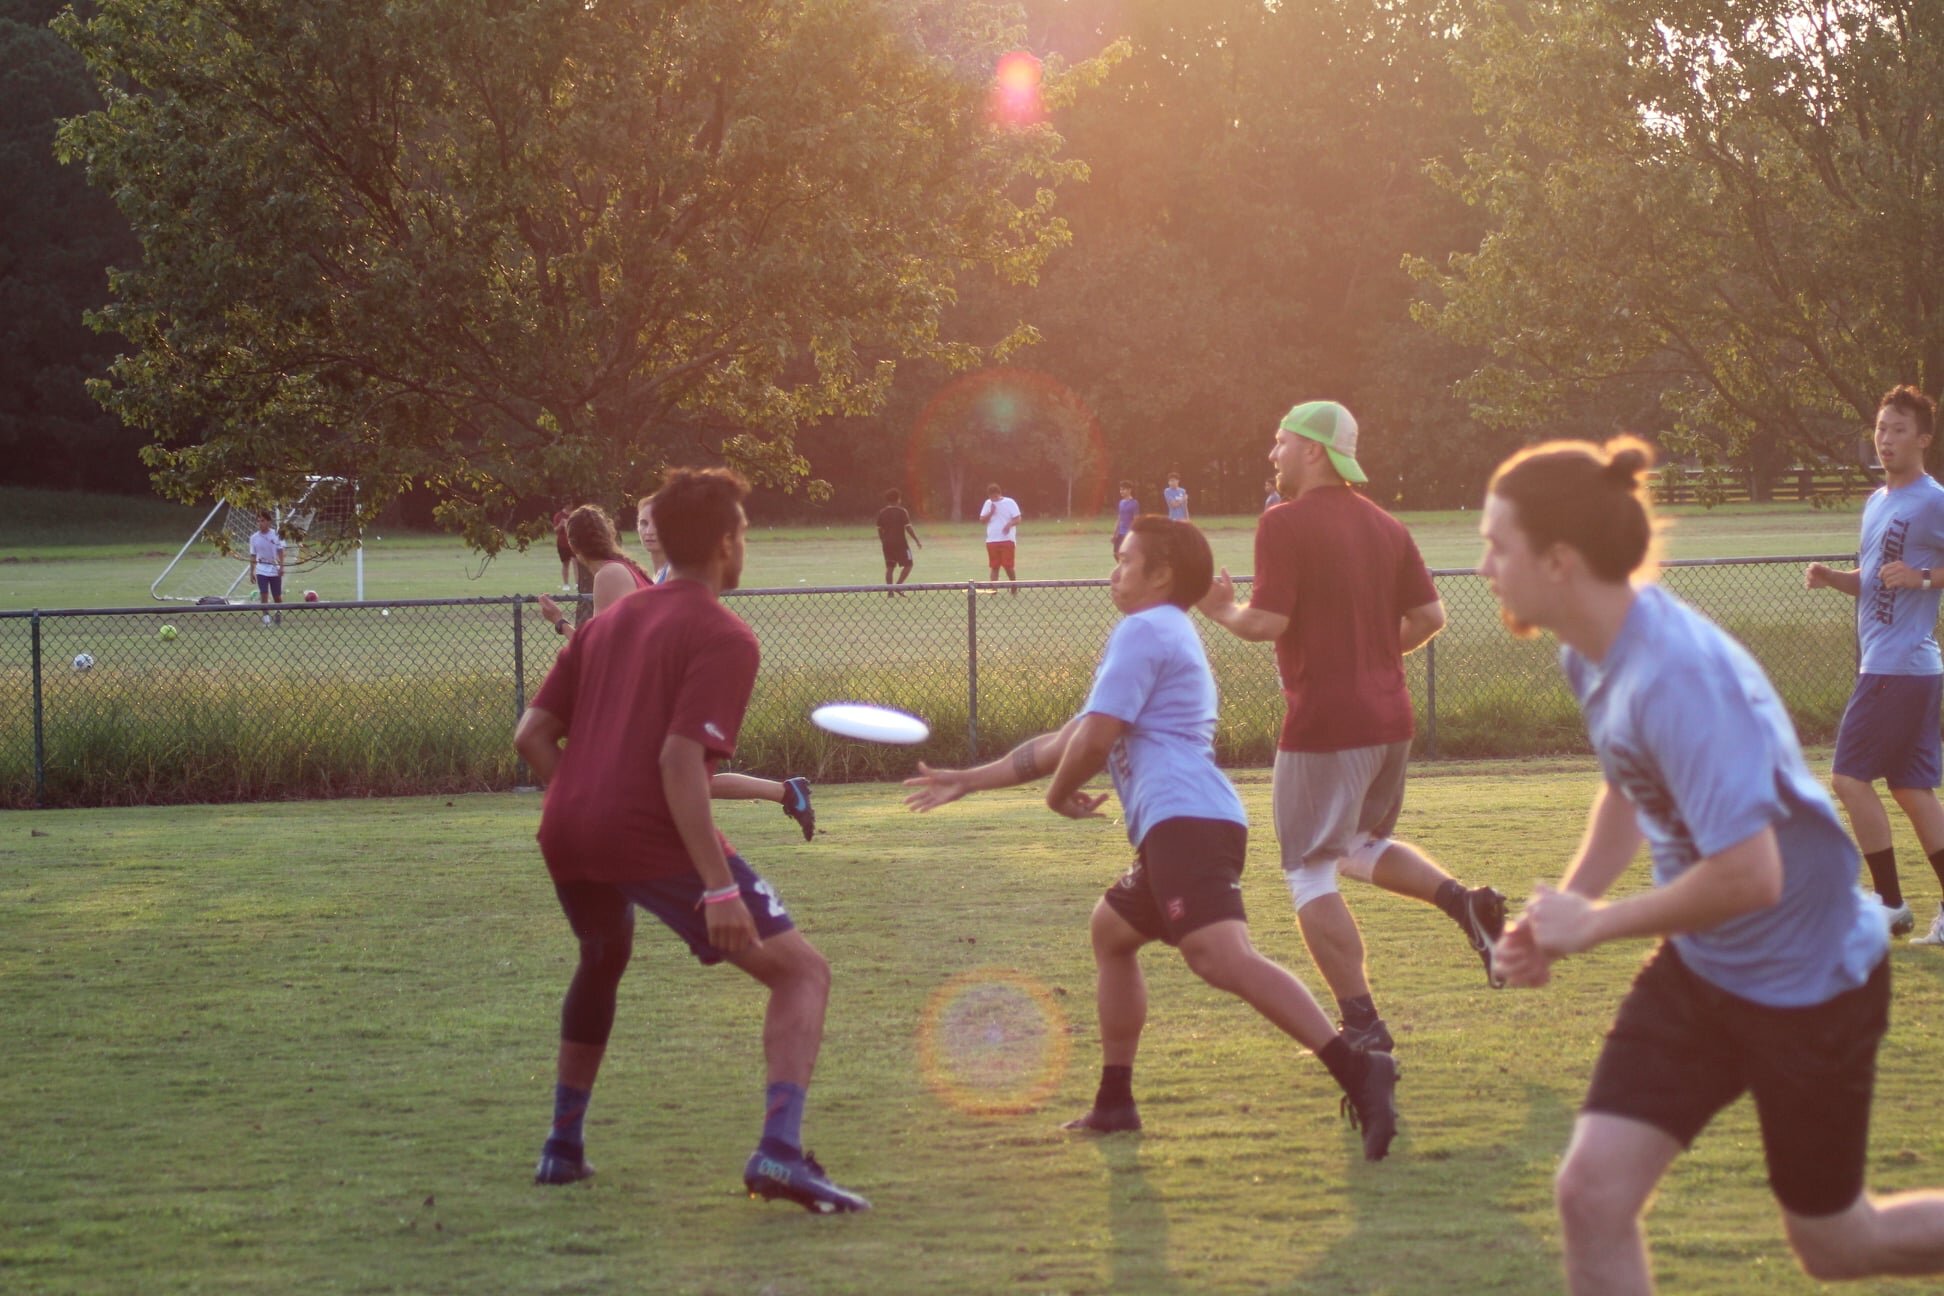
(488, 257)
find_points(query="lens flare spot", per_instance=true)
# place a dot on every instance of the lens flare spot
(1018, 97)
(993, 1042)
(1024, 429)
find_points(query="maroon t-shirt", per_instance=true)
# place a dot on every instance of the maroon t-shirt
(1344, 572)
(669, 659)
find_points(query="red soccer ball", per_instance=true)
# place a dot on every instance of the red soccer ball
(310, 596)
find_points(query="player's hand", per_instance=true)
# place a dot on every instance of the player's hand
(936, 787)
(1561, 922)
(1900, 575)
(1518, 959)
(1220, 597)
(731, 929)
(550, 610)
(1816, 577)
(1078, 806)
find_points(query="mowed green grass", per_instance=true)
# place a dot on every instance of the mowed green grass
(86, 551)
(308, 1047)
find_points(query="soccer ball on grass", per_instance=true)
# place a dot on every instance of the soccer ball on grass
(83, 662)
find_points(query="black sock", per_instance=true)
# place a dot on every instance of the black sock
(1348, 1066)
(1451, 899)
(1358, 1012)
(1116, 1088)
(1883, 875)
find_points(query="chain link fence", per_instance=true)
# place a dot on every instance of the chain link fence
(145, 705)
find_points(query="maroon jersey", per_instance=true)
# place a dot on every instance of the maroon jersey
(1344, 572)
(669, 659)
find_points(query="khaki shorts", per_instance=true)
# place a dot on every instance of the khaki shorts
(1324, 801)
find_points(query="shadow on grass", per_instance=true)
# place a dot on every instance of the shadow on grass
(1137, 1221)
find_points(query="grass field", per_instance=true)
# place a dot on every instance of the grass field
(83, 551)
(307, 1047)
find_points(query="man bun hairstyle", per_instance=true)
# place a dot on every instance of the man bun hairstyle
(1183, 550)
(694, 510)
(1592, 498)
(1914, 402)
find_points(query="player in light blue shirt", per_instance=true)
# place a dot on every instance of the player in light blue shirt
(1772, 978)
(1176, 498)
(1890, 727)
(1150, 721)
(1124, 515)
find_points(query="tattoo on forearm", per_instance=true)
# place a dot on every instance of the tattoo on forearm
(1025, 759)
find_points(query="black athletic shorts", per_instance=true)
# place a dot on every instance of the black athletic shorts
(1682, 1049)
(1187, 874)
(604, 910)
(898, 556)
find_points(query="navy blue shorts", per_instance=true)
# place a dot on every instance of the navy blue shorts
(677, 901)
(1890, 731)
(269, 587)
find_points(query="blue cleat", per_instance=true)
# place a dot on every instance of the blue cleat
(796, 804)
(798, 1179)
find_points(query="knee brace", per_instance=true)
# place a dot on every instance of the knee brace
(1361, 862)
(1311, 882)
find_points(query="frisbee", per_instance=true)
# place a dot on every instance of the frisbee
(871, 723)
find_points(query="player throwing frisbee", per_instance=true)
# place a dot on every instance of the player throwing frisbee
(1150, 720)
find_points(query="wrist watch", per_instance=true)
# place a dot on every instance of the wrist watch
(560, 626)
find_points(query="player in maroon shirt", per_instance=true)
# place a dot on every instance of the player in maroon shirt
(652, 694)
(1342, 591)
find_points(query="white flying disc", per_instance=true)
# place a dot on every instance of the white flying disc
(871, 723)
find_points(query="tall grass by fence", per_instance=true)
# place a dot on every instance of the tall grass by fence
(421, 696)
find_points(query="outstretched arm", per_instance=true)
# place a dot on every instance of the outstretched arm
(1032, 759)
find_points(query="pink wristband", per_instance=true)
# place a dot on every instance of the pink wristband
(724, 896)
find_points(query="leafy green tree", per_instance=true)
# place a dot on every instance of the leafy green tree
(521, 248)
(1728, 206)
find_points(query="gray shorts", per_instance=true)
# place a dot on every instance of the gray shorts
(1323, 802)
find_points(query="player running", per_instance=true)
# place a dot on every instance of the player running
(1771, 977)
(652, 693)
(1150, 720)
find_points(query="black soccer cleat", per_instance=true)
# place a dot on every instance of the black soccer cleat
(798, 1179)
(1107, 1120)
(1374, 1038)
(1484, 923)
(1373, 1108)
(796, 804)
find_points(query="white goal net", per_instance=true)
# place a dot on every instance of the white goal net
(214, 564)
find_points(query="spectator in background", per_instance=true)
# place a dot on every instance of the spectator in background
(1270, 495)
(1001, 517)
(1176, 498)
(893, 527)
(1124, 517)
(267, 552)
(650, 541)
(562, 548)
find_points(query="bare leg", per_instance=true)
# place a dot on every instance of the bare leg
(579, 1064)
(1335, 945)
(1120, 991)
(1222, 955)
(1903, 1234)
(1408, 871)
(1603, 1186)
(744, 787)
(798, 980)
(1868, 819)
(1925, 814)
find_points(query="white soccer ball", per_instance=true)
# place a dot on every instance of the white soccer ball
(84, 661)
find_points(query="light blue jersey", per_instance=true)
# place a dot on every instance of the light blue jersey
(1691, 731)
(1176, 498)
(1898, 627)
(1154, 676)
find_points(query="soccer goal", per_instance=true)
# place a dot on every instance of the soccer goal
(214, 564)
